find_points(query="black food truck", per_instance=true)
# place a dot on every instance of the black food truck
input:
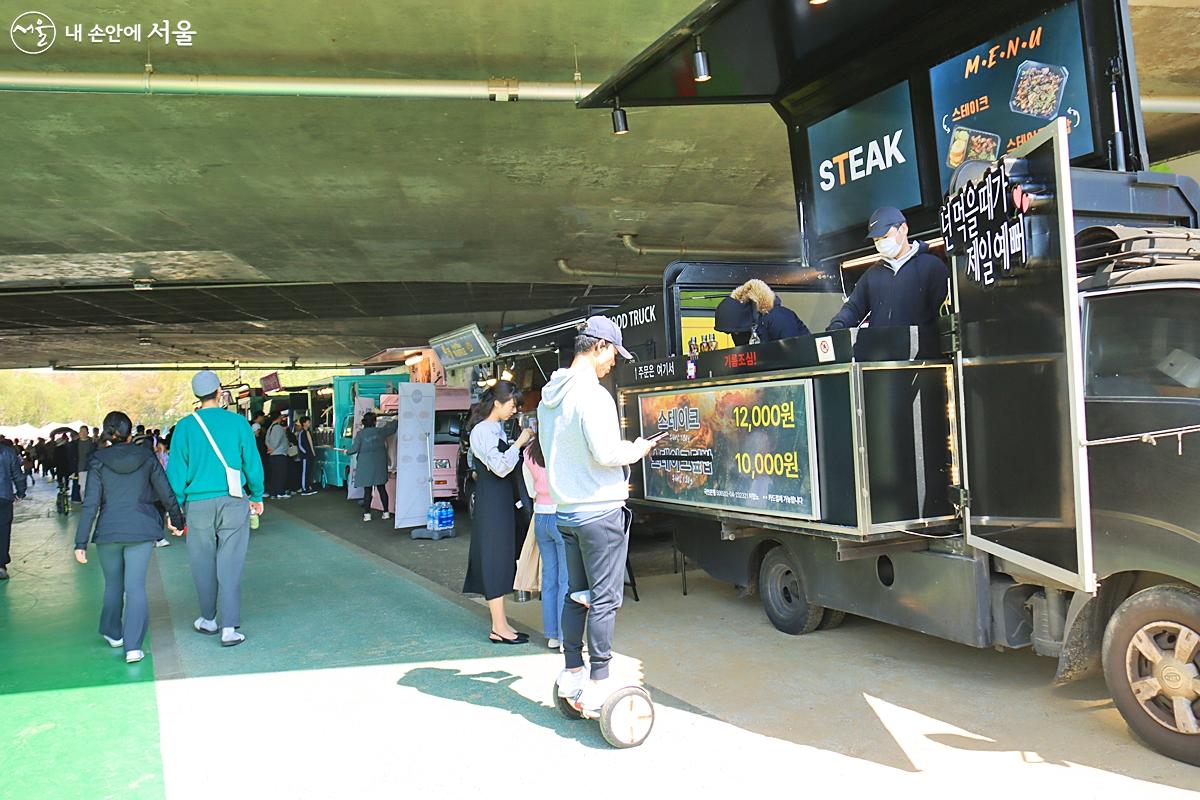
(1019, 474)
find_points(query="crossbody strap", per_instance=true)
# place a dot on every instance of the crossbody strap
(208, 435)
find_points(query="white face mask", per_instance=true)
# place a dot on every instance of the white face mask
(887, 247)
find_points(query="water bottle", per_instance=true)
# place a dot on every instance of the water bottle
(429, 520)
(449, 515)
(253, 521)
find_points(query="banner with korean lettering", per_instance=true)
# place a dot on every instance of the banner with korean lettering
(744, 448)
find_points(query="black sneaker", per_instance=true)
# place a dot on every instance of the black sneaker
(308, 493)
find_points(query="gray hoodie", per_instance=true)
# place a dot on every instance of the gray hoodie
(580, 435)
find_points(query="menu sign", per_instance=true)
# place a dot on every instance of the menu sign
(462, 347)
(985, 222)
(746, 448)
(993, 98)
(862, 158)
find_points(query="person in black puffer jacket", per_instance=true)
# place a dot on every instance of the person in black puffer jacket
(125, 481)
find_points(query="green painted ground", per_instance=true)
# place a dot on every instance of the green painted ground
(75, 719)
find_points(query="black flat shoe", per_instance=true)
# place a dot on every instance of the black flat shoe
(520, 638)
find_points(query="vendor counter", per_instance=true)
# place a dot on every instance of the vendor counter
(847, 434)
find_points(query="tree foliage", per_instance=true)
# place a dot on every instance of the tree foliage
(156, 399)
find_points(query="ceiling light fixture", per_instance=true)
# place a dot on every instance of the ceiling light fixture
(145, 341)
(817, 2)
(143, 285)
(700, 64)
(413, 360)
(620, 121)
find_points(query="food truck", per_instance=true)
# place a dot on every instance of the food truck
(1018, 475)
(334, 419)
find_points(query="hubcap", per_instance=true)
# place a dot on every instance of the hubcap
(789, 587)
(1163, 668)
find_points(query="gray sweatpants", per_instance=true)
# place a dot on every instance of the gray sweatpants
(596, 553)
(218, 531)
(125, 613)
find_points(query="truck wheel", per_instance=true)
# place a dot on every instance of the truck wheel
(831, 619)
(783, 595)
(1151, 661)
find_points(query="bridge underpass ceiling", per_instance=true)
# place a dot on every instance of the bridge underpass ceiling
(101, 189)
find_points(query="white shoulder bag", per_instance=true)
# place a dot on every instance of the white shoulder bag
(232, 476)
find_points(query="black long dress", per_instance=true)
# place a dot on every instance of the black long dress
(492, 562)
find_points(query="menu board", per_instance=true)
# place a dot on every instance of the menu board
(750, 447)
(462, 347)
(862, 158)
(994, 97)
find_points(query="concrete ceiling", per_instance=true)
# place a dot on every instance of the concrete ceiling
(100, 189)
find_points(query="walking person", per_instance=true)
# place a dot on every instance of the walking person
(119, 505)
(492, 561)
(12, 490)
(277, 456)
(587, 467)
(371, 469)
(550, 544)
(217, 476)
(308, 456)
(87, 446)
(30, 462)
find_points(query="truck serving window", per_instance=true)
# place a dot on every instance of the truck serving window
(1144, 344)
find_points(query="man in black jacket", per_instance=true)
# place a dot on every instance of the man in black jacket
(12, 489)
(907, 288)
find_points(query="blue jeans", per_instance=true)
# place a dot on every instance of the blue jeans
(554, 573)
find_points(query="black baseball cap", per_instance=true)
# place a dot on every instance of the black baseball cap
(883, 220)
(604, 328)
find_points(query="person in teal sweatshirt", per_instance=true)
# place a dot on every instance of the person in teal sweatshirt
(205, 446)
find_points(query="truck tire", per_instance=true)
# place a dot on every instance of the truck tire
(782, 591)
(1151, 657)
(831, 619)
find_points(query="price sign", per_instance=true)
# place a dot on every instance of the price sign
(750, 448)
(994, 97)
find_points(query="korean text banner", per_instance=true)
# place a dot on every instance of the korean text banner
(743, 448)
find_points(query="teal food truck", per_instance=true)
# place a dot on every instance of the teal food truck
(333, 404)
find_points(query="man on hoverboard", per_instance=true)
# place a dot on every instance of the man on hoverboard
(587, 469)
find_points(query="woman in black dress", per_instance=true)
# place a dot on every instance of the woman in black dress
(492, 564)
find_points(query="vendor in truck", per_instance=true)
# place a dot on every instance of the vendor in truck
(754, 313)
(907, 287)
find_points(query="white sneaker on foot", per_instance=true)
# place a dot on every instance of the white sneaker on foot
(230, 637)
(163, 543)
(553, 644)
(387, 515)
(134, 656)
(569, 683)
(113, 642)
(202, 625)
(594, 693)
(366, 517)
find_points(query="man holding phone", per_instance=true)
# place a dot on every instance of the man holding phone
(587, 470)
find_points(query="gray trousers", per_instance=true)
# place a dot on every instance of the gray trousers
(218, 531)
(125, 613)
(596, 554)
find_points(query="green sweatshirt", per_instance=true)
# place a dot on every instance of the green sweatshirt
(193, 468)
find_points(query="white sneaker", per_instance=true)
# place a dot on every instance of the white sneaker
(366, 517)
(387, 515)
(113, 642)
(134, 656)
(594, 693)
(202, 625)
(569, 683)
(163, 543)
(553, 644)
